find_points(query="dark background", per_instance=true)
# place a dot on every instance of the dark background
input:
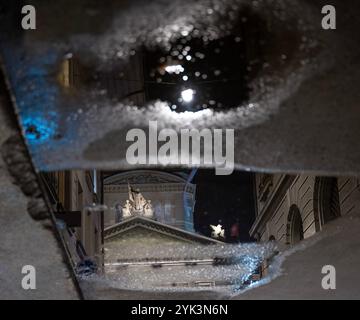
(225, 200)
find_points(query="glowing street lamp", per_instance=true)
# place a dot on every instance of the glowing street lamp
(187, 95)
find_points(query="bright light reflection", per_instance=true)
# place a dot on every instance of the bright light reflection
(174, 69)
(187, 95)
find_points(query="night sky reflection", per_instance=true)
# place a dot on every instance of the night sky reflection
(228, 200)
(218, 70)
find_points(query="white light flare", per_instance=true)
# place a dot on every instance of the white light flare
(178, 68)
(187, 95)
(218, 231)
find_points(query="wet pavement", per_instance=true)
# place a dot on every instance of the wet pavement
(300, 130)
(27, 235)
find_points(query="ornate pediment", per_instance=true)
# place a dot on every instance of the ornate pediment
(143, 177)
(155, 226)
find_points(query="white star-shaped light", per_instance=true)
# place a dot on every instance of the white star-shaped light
(218, 231)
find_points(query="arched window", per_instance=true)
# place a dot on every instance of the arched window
(272, 238)
(295, 230)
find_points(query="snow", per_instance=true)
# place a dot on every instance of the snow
(135, 265)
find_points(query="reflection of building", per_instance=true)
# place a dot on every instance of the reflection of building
(125, 83)
(172, 198)
(164, 251)
(291, 208)
(146, 254)
(136, 205)
(157, 249)
(72, 194)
